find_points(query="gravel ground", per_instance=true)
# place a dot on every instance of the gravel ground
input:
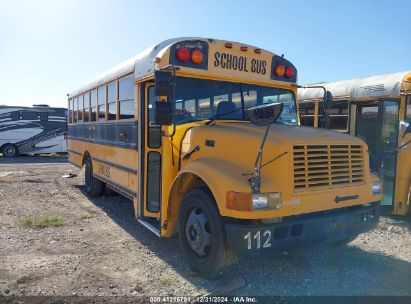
(101, 249)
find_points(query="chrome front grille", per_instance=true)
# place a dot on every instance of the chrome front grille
(327, 166)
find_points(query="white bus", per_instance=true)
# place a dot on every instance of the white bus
(32, 130)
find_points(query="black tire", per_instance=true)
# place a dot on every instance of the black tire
(199, 220)
(10, 150)
(343, 241)
(94, 186)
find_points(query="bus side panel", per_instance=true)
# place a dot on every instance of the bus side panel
(114, 165)
(403, 178)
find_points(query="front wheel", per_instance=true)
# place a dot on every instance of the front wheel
(201, 234)
(94, 186)
(10, 150)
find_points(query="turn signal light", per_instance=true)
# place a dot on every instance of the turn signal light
(239, 201)
(183, 54)
(197, 56)
(280, 70)
(289, 72)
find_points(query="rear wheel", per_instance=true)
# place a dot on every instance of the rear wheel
(10, 150)
(201, 234)
(94, 186)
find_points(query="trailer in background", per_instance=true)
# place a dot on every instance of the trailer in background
(32, 130)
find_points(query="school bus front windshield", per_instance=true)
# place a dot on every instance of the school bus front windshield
(199, 99)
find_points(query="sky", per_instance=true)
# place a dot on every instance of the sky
(51, 47)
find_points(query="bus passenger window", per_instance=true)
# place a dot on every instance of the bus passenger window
(93, 104)
(86, 102)
(15, 115)
(204, 108)
(111, 100)
(189, 109)
(75, 109)
(44, 116)
(338, 115)
(101, 101)
(26, 115)
(250, 96)
(80, 108)
(306, 110)
(217, 100)
(367, 124)
(126, 97)
(70, 107)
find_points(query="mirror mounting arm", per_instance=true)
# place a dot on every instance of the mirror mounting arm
(327, 100)
(255, 180)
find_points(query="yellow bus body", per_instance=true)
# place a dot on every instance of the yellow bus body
(375, 90)
(225, 165)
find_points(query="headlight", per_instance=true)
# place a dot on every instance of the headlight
(266, 201)
(376, 188)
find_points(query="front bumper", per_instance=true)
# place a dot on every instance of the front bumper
(301, 230)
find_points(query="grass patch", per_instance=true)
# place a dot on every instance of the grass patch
(42, 222)
(165, 280)
(84, 216)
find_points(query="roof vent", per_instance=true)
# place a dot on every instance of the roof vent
(41, 106)
(374, 88)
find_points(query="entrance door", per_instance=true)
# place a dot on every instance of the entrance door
(152, 158)
(388, 146)
(377, 125)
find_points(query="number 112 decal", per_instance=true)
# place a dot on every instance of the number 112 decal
(266, 237)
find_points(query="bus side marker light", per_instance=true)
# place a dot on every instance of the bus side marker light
(197, 56)
(244, 48)
(183, 54)
(289, 72)
(229, 45)
(280, 70)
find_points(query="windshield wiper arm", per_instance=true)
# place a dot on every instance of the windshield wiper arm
(212, 119)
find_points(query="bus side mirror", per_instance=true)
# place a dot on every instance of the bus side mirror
(163, 83)
(265, 114)
(404, 128)
(164, 113)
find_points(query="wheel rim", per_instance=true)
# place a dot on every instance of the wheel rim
(198, 233)
(9, 151)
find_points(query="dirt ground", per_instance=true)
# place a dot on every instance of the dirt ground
(99, 249)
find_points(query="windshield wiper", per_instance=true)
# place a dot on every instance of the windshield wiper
(214, 118)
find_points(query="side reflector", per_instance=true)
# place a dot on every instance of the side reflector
(197, 56)
(183, 54)
(289, 72)
(280, 70)
(239, 201)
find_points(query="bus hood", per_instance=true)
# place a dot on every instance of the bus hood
(247, 133)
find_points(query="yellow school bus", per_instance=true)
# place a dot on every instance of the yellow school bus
(376, 109)
(203, 136)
